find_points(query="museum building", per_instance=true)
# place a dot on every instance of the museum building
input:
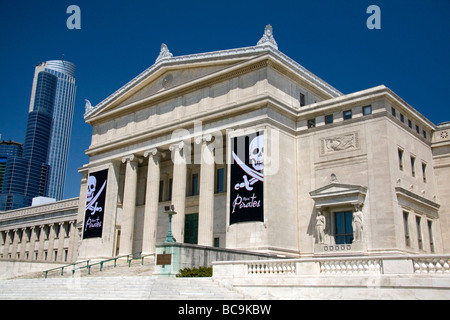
(255, 153)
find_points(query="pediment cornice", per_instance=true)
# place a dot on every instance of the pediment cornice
(231, 60)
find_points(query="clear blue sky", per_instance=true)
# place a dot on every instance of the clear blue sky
(119, 39)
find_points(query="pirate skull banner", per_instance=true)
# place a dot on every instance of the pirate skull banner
(246, 189)
(95, 204)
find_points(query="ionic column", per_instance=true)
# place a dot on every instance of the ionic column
(178, 189)
(151, 201)
(23, 243)
(41, 242)
(51, 242)
(15, 243)
(129, 205)
(32, 242)
(7, 244)
(206, 197)
(61, 238)
(72, 241)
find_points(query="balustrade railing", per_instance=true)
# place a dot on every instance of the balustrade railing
(432, 265)
(271, 268)
(363, 265)
(350, 267)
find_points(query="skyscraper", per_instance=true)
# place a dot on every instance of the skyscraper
(63, 108)
(41, 169)
(8, 149)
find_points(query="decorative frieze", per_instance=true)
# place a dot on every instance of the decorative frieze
(340, 143)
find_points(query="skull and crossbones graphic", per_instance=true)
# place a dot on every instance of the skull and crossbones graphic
(91, 198)
(256, 155)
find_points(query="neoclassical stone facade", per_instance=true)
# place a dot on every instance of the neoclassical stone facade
(362, 173)
(44, 233)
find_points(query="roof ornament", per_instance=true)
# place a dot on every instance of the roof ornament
(333, 178)
(267, 38)
(164, 53)
(88, 106)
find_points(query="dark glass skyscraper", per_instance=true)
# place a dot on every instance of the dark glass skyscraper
(41, 169)
(8, 149)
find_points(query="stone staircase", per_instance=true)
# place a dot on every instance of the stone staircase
(115, 287)
(119, 283)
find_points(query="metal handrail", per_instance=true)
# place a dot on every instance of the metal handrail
(129, 257)
(62, 268)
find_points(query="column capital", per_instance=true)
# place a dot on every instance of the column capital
(131, 158)
(177, 146)
(155, 153)
(205, 138)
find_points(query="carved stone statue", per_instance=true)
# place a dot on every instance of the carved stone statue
(88, 106)
(164, 53)
(267, 38)
(320, 227)
(357, 223)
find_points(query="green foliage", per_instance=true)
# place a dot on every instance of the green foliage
(195, 272)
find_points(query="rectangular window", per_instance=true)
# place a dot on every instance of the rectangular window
(302, 100)
(191, 228)
(413, 166)
(410, 123)
(406, 228)
(344, 228)
(220, 178)
(216, 242)
(419, 233)
(417, 129)
(424, 133)
(329, 119)
(311, 123)
(161, 189)
(402, 118)
(367, 110)
(430, 235)
(424, 172)
(170, 190)
(347, 114)
(394, 112)
(400, 159)
(195, 184)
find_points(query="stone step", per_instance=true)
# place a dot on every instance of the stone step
(110, 287)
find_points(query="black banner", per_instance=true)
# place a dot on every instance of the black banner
(247, 179)
(95, 204)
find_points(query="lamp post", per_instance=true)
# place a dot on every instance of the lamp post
(170, 211)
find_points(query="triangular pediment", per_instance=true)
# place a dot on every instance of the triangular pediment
(170, 74)
(173, 78)
(337, 188)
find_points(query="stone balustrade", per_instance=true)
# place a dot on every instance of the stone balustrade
(351, 267)
(271, 268)
(362, 265)
(440, 264)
